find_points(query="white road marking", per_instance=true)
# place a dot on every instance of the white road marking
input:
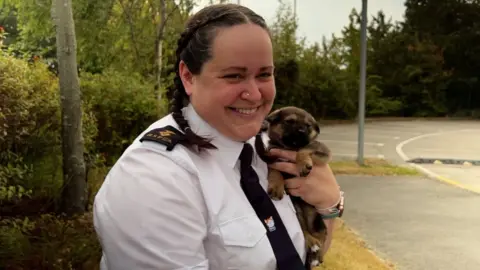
(428, 172)
(352, 135)
(389, 130)
(356, 155)
(354, 142)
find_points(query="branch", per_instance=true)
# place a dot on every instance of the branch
(129, 20)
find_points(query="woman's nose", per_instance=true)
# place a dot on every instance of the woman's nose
(252, 91)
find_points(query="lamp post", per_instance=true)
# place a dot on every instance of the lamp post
(362, 86)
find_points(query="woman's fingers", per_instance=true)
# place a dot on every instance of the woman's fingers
(284, 154)
(294, 192)
(286, 167)
(294, 183)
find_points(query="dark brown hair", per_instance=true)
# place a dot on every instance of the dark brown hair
(194, 49)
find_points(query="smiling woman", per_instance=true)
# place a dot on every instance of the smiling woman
(215, 72)
(167, 205)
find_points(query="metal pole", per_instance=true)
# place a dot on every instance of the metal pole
(238, 2)
(295, 9)
(363, 75)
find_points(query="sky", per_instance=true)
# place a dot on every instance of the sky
(318, 18)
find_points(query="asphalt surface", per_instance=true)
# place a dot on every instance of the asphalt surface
(426, 222)
(416, 223)
(401, 141)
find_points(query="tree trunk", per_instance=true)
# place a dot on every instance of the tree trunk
(74, 191)
(159, 48)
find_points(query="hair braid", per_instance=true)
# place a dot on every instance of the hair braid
(179, 97)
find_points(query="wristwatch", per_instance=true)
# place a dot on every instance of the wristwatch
(334, 211)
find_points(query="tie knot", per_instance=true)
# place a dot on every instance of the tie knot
(247, 155)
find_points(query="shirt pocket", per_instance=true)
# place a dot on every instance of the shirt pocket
(245, 240)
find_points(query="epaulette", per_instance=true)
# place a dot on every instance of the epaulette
(168, 136)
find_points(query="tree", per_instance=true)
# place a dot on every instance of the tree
(74, 194)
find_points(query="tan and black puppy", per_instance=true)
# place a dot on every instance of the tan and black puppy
(292, 128)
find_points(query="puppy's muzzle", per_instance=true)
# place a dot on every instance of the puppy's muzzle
(296, 139)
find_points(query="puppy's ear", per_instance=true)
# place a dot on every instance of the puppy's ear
(265, 126)
(274, 117)
(316, 126)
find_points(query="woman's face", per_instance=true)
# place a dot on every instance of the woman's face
(235, 89)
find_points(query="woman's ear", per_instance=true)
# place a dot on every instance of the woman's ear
(186, 76)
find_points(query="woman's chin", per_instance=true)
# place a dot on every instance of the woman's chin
(247, 131)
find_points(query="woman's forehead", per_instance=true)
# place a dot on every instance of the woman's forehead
(243, 46)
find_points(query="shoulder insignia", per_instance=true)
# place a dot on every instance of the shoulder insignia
(168, 136)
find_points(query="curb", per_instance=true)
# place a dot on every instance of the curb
(426, 171)
(444, 179)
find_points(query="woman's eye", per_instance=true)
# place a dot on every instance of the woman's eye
(233, 76)
(265, 74)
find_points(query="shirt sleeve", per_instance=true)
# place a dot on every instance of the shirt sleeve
(150, 214)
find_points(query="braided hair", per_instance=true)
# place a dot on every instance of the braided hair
(194, 49)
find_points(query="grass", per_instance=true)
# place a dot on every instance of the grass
(374, 167)
(348, 251)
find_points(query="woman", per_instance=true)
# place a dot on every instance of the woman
(182, 206)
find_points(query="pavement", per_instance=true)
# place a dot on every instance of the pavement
(416, 223)
(401, 141)
(426, 222)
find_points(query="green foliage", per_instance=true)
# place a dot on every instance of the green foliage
(123, 105)
(29, 119)
(49, 242)
(28, 106)
(30, 127)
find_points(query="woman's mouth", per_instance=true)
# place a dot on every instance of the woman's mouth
(244, 111)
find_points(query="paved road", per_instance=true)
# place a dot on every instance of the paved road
(417, 223)
(404, 140)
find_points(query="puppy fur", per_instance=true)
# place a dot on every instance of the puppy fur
(292, 128)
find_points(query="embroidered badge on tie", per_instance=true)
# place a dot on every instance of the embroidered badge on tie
(270, 224)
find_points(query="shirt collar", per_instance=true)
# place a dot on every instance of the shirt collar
(227, 151)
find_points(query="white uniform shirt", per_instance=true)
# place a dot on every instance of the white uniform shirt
(175, 210)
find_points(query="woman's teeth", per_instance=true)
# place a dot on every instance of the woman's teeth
(246, 111)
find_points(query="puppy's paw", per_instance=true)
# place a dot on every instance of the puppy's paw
(305, 169)
(275, 192)
(316, 256)
(314, 248)
(315, 263)
(276, 185)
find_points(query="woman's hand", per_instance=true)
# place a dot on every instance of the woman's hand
(319, 188)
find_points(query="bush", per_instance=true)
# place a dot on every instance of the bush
(49, 242)
(29, 115)
(123, 106)
(116, 108)
(30, 127)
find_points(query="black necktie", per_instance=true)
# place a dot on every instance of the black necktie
(285, 252)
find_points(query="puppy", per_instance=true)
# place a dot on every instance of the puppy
(292, 128)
